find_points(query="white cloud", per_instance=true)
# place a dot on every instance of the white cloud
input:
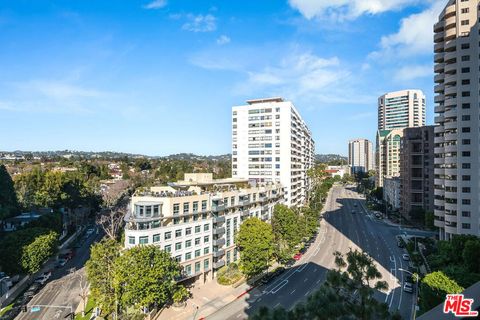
(200, 23)
(59, 90)
(347, 9)
(223, 39)
(411, 72)
(156, 4)
(415, 35)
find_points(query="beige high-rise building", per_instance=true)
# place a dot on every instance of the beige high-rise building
(387, 155)
(457, 163)
(360, 155)
(401, 109)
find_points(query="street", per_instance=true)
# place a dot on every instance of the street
(340, 230)
(62, 292)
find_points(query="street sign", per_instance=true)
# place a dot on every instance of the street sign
(34, 309)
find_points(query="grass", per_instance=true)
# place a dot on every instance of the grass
(2, 312)
(88, 310)
(228, 275)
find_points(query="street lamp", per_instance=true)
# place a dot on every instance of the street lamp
(196, 311)
(416, 290)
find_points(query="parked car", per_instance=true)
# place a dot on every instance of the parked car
(406, 257)
(353, 212)
(89, 232)
(408, 287)
(378, 216)
(60, 263)
(297, 256)
(41, 280)
(355, 205)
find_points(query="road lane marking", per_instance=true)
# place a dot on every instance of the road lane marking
(306, 279)
(278, 287)
(292, 291)
(306, 293)
(277, 305)
(301, 268)
(239, 315)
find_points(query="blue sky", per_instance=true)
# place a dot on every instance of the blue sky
(160, 77)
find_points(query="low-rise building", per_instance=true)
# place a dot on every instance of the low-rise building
(339, 171)
(196, 219)
(391, 192)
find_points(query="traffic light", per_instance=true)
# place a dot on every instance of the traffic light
(24, 308)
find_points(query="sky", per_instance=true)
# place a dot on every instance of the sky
(158, 77)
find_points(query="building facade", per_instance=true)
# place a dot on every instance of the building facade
(401, 109)
(360, 156)
(196, 219)
(272, 144)
(387, 155)
(416, 170)
(457, 161)
(392, 192)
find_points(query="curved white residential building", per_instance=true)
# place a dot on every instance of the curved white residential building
(457, 162)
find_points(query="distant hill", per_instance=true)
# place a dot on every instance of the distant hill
(325, 158)
(191, 156)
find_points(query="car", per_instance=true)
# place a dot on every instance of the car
(408, 287)
(89, 231)
(378, 216)
(406, 257)
(353, 212)
(355, 205)
(41, 280)
(297, 256)
(303, 250)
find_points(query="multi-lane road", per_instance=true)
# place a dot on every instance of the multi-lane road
(63, 290)
(340, 230)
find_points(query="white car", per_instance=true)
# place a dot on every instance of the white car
(406, 257)
(41, 280)
(408, 287)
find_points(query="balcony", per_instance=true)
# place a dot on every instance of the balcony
(450, 113)
(219, 253)
(450, 34)
(219, 231)
(450, 68)
(244, 202)
(218, 264)
(450, 22)
(450, 102)
(438, 57)
(439, 67)
(437, 27)
(450, 11)
(451, 137)
(219, 219)
(450, 45)
(438, 150)
(219, 242)
(439, 109)
(439, 78)
(438, 47)
(450, 125)
(450, 79)
(450, 57)
(451, 91)
(439, 88)
(439, 119)
(438, 37)
(244, 213)
(219, 207)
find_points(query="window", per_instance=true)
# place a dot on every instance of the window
(465, 70)
(178, 246)
(206, 227)
(466, 214)
(466, 129)
(131, 240)
(156, 238)
(466, 141)
(466, 117)
(198, 253)
(466, 190)
(465, 45)
(195, 206)
(204, 205)
(197, 267)
(188, 231)
(466, 201)
(168, 235)
(465, 225)
(168, 248)
(186, 207)
(188, 256)
(465, 93)
(465, 153)
(465, 105)
(188, 269)
(206, 250)
(465, 81)
(206, 263)
(188, 243)
(178, 233)
(176, 208)
(465, 58)
(465, 10)
(206, 239)
(178, 258)
(197, 229)
(466, 166)
(197, 241)
(176, 220)
(465, 22)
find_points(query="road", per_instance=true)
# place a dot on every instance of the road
(63, 288)
(339, 230)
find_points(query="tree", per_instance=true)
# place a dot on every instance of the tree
(286, 230)
(111, 222)
(37, 252)
(434, 286)
(100, 269)
(180, 295)
(471, 255)
(256, 244)
(144, 276)
(8, 199)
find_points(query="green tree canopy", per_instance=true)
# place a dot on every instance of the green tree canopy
(8, 199)
(256, 244)
(145, 275)
(286, 225)
(434, 286)
(37, 252)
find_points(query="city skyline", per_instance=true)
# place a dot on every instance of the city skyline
(90, 78)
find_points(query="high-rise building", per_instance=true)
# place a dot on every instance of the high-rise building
(416, 171)
(387, 155)
(457, 162)
(360, 155)
(401, 109)
(396, 111)
(195, 220)
(271, 143)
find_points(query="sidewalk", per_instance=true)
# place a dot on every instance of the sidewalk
(208, 297)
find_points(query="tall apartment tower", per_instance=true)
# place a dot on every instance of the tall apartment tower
(457, 162)
(271, 143)
(396, 111)
(401, 109)
(360, 155)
